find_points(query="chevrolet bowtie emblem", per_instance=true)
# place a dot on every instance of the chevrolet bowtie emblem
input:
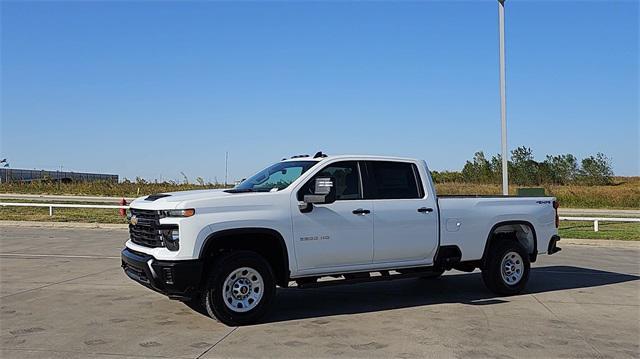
(133, 220)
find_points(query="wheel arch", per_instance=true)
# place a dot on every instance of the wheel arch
(255, 239)
(511, 226)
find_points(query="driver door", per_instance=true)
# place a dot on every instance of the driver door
(337, 234)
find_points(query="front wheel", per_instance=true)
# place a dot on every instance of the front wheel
(240, 288)
(507, 269)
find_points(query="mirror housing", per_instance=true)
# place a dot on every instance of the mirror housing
(324, 192)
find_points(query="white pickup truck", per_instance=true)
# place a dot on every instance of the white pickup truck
(315, 221)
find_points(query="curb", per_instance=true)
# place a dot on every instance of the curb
(63, 225)
(599, 243)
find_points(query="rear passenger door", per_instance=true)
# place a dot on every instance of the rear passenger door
(405, 217)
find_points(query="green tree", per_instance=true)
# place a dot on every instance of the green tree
(478, 171)
(545, 173)
(596, 170)
(523, 168)
(447, 176)
(496, 168)
(561, 169)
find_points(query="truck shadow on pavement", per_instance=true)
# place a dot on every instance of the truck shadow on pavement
(457, 287)
(466, 288)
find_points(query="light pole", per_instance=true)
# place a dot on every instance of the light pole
(226, 167)
(5, 164)
(503, 102)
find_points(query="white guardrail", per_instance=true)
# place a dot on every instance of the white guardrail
(596, 220)
(61, 205)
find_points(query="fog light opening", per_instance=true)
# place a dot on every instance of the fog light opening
(168, 275)
(171, 238)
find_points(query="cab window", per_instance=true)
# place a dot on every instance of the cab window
(392, 180)
(346, 176)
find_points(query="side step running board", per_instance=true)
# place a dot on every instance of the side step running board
(362, 277)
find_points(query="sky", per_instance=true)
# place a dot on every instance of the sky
(152, 89)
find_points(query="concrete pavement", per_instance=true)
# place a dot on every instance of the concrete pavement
(63, 295)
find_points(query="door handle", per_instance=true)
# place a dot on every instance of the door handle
(425, 210)
(361, 211)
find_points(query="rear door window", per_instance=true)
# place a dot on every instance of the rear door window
(392, 180)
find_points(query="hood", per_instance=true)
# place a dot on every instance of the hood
(201, 198)
(170, 200)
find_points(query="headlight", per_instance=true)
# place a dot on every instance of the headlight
(178, 212)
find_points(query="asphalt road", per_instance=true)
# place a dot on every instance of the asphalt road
(63, 295)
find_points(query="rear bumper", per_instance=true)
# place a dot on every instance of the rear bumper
(175, 279)
(553, 245)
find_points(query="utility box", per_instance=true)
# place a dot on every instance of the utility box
(530, 192)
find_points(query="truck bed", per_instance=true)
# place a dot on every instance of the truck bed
(466, 221)
(483, 196)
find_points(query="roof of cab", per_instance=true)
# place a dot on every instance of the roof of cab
(359, 157)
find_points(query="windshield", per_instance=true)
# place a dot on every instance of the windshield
(278, 176)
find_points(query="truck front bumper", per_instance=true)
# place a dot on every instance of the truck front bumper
(175, 279)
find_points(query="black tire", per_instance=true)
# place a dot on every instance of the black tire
(492, 273)
(213, 296)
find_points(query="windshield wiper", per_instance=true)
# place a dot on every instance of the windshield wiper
(246, 190)
(238, 190)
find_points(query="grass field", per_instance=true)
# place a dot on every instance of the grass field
(606, 230)
(108, 189)
(624, 193)
(84, 215)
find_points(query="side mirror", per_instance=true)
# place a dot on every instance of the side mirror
(324, 192)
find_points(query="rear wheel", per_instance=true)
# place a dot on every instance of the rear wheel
(240, 288)
(507, 269)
